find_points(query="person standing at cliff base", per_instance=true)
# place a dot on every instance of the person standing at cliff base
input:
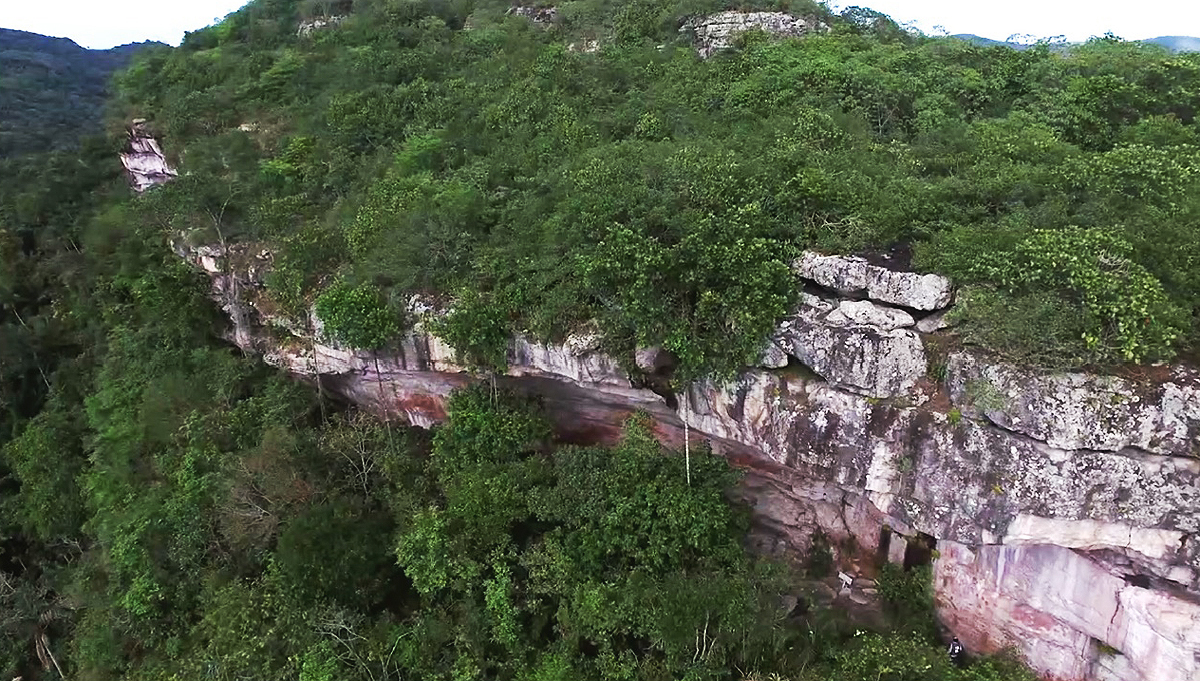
(957, 652)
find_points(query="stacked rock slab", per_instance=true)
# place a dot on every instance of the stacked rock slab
(1066, 508)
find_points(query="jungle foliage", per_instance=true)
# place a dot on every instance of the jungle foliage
(174, 510)
(496, 161)
(53, 91)
(171, 509)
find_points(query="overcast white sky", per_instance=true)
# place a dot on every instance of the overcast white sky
(105, 23)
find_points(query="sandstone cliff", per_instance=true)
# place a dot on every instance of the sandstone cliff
(1065, 508)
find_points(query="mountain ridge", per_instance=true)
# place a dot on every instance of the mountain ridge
(1174, 43)
(53, 90)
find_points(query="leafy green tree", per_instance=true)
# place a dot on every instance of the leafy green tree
(357, 316)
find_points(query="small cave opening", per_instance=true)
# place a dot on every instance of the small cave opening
(669, 399)
(796, 368)
(884, 546)
(1104, 650)
(919, 551)
(1140, 581)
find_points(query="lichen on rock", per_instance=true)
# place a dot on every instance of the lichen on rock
(854, 276)
(856, 345)
(716, 32)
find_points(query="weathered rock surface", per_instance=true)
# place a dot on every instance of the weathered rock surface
(718, 31)
(1082, 411)
(1054, 531)
(857, 345)
(1059, 607)
(539, 16)
(854, 276)
(310, 26)
(143, 159)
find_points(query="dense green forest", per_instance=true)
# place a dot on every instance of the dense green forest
(664, 196)
(172, 509)
(52, 91)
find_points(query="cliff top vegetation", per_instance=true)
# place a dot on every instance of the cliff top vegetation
(452, 147)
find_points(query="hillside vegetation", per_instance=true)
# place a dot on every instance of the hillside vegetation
(52, 91)
(172, 510)
(663, 195)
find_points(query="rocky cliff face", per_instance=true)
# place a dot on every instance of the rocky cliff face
(716, 32)
(1065, 508)
(143, 159)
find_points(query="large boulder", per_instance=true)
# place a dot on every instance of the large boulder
(718, 31)
(853, 276)
(856, 345)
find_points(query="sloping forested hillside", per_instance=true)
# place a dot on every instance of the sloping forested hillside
(52, 90)
(663, 195)
(170, 509)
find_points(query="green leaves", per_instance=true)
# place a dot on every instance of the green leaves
(358, 316)
(1130, 316)
(479, 328)
(682, 254)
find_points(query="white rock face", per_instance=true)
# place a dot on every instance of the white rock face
(866, 313)
(1058, 604)
(1091, 535)
(718, 31)
(539, 16)
(1051, 536)
(586, 46)
(1081, 411)
(307, 28)
(144, 161)
(854, 276)
(857, 345)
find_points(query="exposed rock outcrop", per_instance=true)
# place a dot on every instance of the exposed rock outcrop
(1083, 411)
(857, 345)
(143, 159)
(544, 17)
(853, 276)
(310, 26)
(718, 31)
(1064, 517)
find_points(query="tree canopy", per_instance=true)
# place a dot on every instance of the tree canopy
(172, 509)
(457, 148)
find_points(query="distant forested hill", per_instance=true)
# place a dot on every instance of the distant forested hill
(52, 90)
(1174, 43)
(1177, 43)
